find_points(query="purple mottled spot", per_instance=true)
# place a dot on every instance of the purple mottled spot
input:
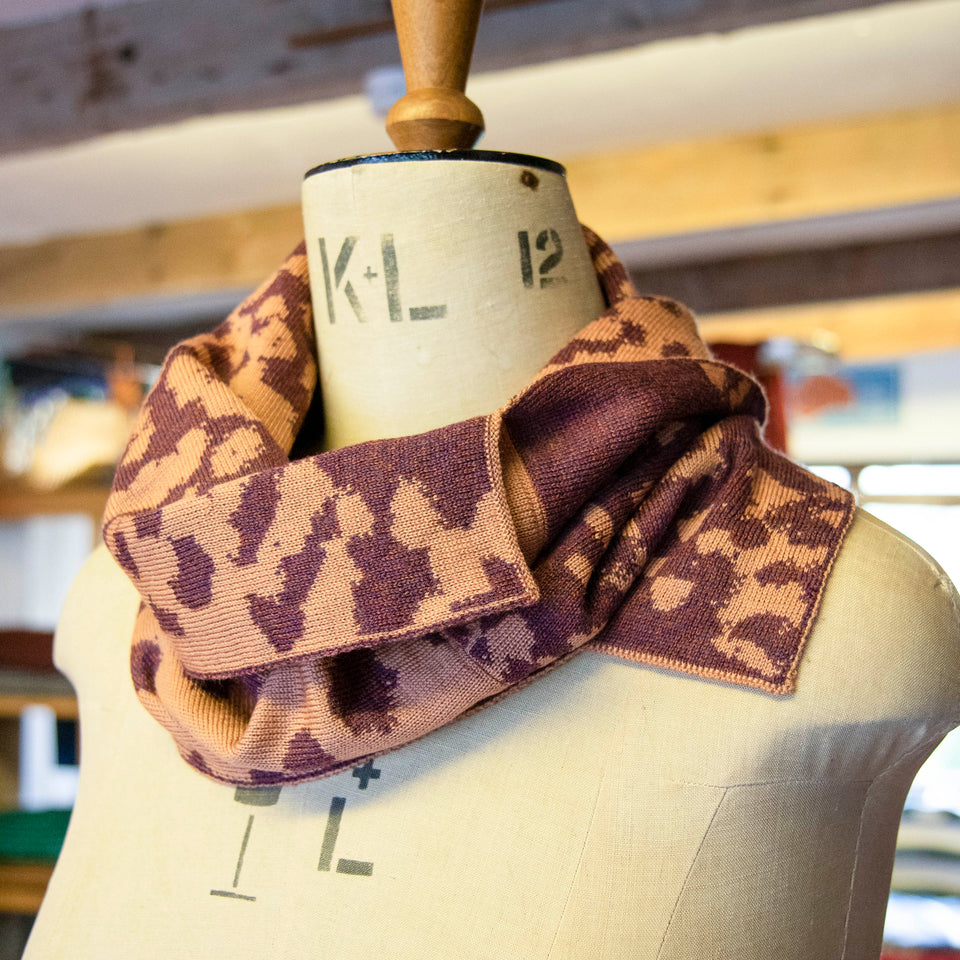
(285, 376)
(280, 619)
(193, 584)
(145, 658)
(504, 579)
(325, 524)
(360, 691)
(800, 522)
(775, 635)
(167, 620)
(686, 631)
(195, 759)
(253, 517)
(123, 555)
(171, 422)
(396, 578)
(480, 650)
(428, 458)
(305, 754)
(290, 288)
(220, 361)
(614, 276)
(224, 330)
(280, 623)
(147, 524)
(674, 349)
(219, 430)
(396, 581)
(259, 323)
(550, 629)
(779, 574)
(266, 777)
(301, 569)
(749, 533)
(515, 670)
(574, 347)
(633, 333)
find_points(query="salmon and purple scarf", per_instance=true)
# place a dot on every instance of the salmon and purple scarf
(299, 617)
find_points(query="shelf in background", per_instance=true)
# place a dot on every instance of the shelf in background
(17, 502)
(28, 675)
(23, 884)
(21, 688)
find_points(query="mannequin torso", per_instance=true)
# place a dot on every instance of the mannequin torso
(608, 810)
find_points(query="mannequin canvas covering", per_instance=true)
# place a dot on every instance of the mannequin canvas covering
(301, 616)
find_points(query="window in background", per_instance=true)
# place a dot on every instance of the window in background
(921, 500)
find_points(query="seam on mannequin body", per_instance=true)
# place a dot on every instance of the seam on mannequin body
(953, 595)
(686, 879)
(919, 748)
(855, 868)
(768, 783)
(576, 872)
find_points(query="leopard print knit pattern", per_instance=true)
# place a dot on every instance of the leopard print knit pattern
(301, 616)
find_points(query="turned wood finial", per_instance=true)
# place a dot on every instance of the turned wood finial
(436, 44)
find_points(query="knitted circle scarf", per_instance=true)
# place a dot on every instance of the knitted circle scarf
(301, 616)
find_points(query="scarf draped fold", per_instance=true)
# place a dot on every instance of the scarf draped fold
(299, 617)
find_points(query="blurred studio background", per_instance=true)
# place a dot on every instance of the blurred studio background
(788, 168)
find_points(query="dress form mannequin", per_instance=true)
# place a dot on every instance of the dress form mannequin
(608, 810)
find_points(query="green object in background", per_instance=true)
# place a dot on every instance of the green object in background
(29, 835)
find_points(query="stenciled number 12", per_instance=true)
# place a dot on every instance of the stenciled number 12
(546, 240)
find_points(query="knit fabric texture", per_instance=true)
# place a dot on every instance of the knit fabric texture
(301, 616)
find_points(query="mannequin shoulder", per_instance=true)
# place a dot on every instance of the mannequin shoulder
(882, 563)
(96, 621)
(889, 606)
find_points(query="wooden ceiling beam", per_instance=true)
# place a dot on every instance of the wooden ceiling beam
(208, 254)
(813, 171)
(136, 64)
(876, 328)
(800, 276)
